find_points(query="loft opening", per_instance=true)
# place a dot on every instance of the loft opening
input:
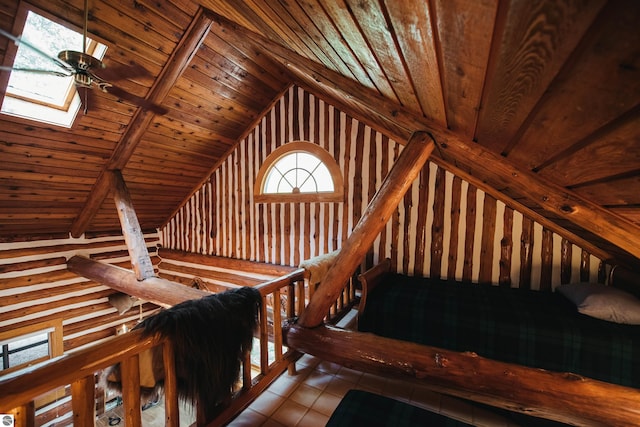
(299, 171)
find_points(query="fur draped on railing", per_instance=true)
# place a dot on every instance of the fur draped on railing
(210, 336)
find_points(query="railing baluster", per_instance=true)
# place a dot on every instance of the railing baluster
(24, 415)
(130, 370)
(171, 410)
(264, 337)
(83, 401)
(291, 300)
(300, 297)
(246, 371)
(277, 324)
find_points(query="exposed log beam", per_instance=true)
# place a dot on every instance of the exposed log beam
(173, 69)
(398, 122)
(136, 245)
(159, 291)
(375, 218)
(562, 397)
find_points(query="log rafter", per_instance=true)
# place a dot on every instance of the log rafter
(175, 66)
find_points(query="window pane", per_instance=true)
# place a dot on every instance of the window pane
(288, 162)
(307, 182)
(25, 350)
(323, 178)
(272, 180)
(51, 38)
(307, 161)
(287, 182)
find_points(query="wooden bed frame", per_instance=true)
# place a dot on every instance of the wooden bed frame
(563, 397)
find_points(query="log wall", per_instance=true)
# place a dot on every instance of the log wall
(35, 286)
(444, 227)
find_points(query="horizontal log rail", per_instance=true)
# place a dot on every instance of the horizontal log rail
(563, 397)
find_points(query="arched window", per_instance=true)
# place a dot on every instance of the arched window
(299, 172)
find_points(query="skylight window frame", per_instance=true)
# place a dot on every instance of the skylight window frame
(72, 103)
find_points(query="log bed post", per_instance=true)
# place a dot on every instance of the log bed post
(563, 397)
(376, 216)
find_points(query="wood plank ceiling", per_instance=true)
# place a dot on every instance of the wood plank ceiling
(548, 91)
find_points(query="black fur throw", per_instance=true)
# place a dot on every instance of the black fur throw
(210, 337)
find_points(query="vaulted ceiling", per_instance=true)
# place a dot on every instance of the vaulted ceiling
(538, 103)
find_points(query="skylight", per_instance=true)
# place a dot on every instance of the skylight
(45, 97)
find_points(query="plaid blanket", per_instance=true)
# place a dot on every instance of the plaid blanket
(530, 328)
(361, 408)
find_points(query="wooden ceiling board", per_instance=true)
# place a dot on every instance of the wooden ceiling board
(239, 63)
(384, 46)
(464, 29)
(338, 12)
(340, 49)
(615, 154)
(533, 41)
(609, 65)
(613, 193)
(412, 29)
(305, 30)
(243, 14)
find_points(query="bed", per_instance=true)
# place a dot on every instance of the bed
(525, 327)
(363, 408)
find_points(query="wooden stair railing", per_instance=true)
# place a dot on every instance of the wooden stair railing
(18, 389)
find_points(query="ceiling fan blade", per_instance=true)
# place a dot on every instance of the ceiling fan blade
(137, 100)
(21, 41)
(121, 71)
(31, 70)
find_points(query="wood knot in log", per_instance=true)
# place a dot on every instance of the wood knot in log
(441, 360)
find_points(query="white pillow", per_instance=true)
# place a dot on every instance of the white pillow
(603, 302)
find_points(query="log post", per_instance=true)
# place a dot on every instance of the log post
(137, 247)
(171, 408)
(83, 401)
(395, 185)
(564, 397)
(159, 291)
(130, 369)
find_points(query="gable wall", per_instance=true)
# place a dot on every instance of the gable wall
(444, 227)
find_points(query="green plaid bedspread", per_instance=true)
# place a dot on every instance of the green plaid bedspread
(361, 408)
(530, 328)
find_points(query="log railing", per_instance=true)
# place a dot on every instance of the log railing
(18, 389)
(283, 298)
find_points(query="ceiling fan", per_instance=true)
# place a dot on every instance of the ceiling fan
(86, 70)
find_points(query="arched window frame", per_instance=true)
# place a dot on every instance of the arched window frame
(337, 195)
